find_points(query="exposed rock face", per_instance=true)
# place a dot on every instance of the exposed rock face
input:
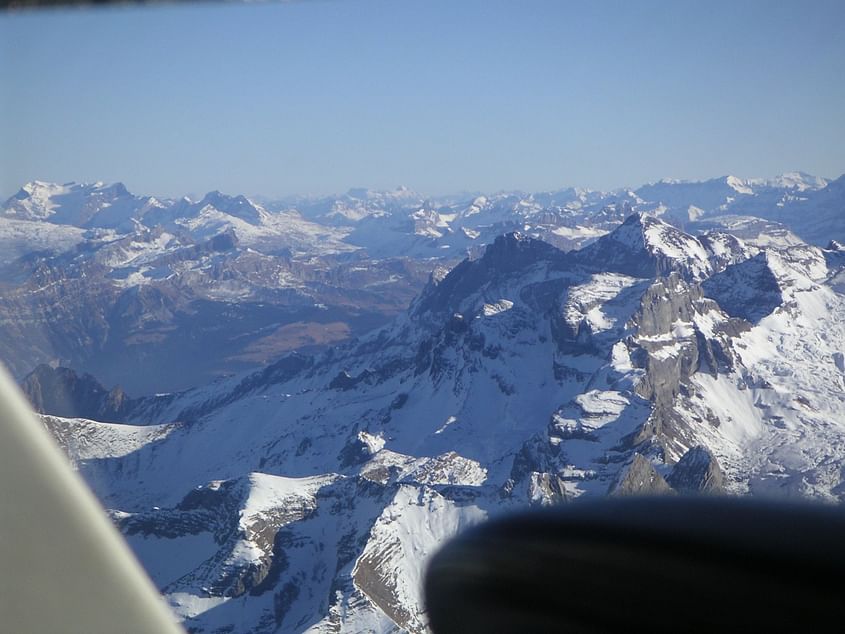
(62, 392)
(639, 477)
(665, 302)
(678, 333)
(359, 449)
(697, 471)
(749, 290)
(510, 253)
(666, 306)
(212, 508)
(533, 474)
(546, 489)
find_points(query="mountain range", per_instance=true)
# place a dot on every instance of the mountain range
(164, 294)
(526, 349)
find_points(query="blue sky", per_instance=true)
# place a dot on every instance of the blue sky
(317, 97)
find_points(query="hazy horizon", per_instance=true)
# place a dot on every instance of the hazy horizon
(281, 99)
(197, 195)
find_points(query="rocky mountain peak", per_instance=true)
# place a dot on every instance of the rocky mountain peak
(513, 251)
(117, 189)
(62, 392)
(239, 206)
(639, 477)
(697, 471)
(509, 254)
(645, 246)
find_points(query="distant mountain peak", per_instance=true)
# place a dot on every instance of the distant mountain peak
(216, 197)
(238, 206)
(738, 184)
(70, 203)
(797, 180)
(514, 250)
(118, 188)
(641, 230)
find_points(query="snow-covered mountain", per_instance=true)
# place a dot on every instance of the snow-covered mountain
(379, 370)
(403, 221)
(307, 496)
(359, 217)
(808, 206)
(161, 295)
(79, 205)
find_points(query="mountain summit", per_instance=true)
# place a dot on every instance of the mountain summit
(645, 246)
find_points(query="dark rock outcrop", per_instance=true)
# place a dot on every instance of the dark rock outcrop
(508, 254)
(697, 471)
(63, 392)
(665, 303)
(639, 477)
(749, 290)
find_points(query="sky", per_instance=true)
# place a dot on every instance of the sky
(440, 96)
